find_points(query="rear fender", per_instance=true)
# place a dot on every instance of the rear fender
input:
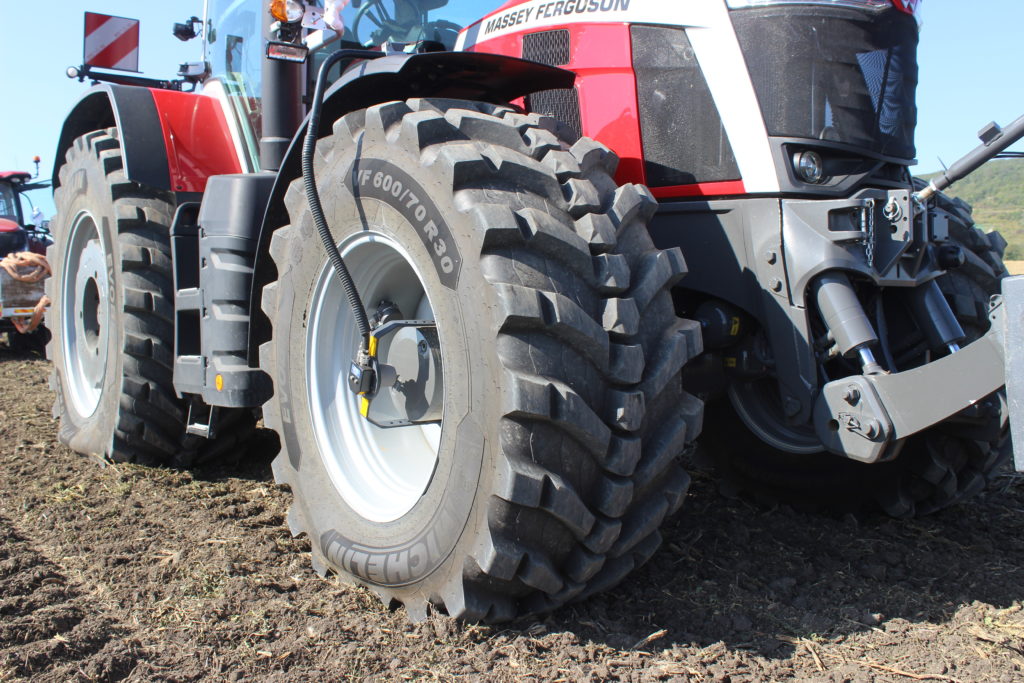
(170, 140)
(458, 75)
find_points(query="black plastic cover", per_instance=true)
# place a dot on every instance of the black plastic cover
(683, 137)
(216, 298)
(833, 73)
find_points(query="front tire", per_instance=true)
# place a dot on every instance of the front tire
(112, 313)
(555, 462)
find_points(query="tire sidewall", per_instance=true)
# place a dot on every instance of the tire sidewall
(87, 192)
(417, 547)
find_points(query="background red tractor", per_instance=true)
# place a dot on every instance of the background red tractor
(25, 233)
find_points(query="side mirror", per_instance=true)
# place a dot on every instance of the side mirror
(188, 30)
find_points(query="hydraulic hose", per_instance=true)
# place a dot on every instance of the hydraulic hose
(994, 141)
(313, 196)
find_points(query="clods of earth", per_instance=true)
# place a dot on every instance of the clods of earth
(128, 573)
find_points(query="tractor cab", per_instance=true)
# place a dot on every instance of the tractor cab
(10, 204)
(17, 231)
(236, 51)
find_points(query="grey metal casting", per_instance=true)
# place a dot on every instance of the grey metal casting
(859, 416)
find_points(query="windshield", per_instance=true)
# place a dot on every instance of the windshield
(8, 202)
(235, 48)
(375, 22)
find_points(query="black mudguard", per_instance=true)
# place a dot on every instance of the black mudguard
(133, 112)
(460, 75)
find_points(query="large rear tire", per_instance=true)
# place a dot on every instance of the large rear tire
(941, 466)
(112, 314)
(555, 462)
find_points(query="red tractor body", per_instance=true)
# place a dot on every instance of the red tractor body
(420, 243)
(707, 99)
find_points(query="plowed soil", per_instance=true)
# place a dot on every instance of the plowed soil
(127, 573)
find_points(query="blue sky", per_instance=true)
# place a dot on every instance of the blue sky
(970, 57)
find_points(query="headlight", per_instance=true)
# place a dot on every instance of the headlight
(287, 11)
(808, 166)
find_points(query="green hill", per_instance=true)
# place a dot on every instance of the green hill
(996, 191)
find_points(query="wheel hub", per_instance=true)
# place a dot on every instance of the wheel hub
(381, 473)
(408, 382)
(85, 317)
(757, 403)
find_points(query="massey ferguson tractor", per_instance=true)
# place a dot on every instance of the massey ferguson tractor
(443, 257)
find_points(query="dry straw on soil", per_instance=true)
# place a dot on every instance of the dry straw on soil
(127, 573)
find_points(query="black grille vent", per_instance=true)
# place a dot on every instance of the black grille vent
(683, 136)
(553, 48)
(547, 47)
(563, 105)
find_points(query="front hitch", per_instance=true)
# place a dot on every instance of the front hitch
(865, 416)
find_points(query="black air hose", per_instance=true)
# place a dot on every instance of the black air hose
(313, 197)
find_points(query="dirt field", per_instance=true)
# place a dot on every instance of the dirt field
(129, 573)
(1015, 267)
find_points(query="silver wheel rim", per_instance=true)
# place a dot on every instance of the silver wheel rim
(380, 473)
(757, 403)
(85, 316)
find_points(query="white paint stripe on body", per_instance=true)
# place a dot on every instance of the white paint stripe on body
(725, 69)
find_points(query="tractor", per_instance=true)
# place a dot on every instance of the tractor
(24, 238)
(439, 247)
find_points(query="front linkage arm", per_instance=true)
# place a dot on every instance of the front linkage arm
(862, 417)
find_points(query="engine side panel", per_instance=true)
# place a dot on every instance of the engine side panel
(197, 139)
(601, 57)
(616, 95)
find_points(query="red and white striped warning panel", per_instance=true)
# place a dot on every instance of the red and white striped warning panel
(111, 42)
